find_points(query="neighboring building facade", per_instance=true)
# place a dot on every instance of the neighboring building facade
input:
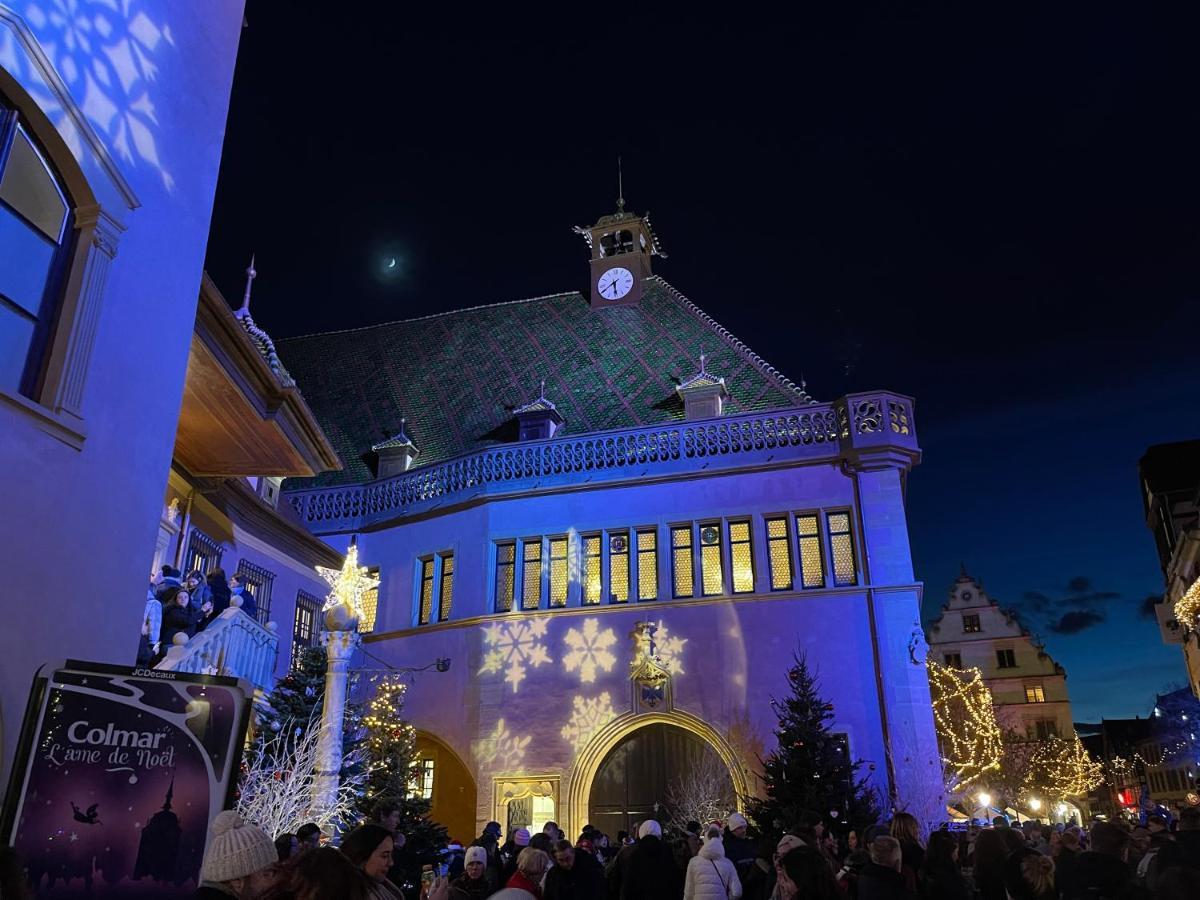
(243, 427)
(1170, 482)
(1029, 689)
(112, 119)
(619, 524)
(1169, 754)
(1115, 743)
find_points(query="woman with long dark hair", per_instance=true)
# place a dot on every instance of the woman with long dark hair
(370, 848)
(941, 878)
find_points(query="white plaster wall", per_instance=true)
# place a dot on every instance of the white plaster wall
(78, 525)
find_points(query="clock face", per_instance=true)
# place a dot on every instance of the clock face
(615, 283)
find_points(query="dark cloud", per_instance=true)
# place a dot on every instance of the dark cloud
(1076, 621)
(1146, 607)
(1090, 598)
(1036, 600)
(1080, 584)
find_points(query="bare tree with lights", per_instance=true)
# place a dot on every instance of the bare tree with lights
(700, 793)
(967, 732)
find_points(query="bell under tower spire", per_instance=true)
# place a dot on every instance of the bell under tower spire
(622, 245)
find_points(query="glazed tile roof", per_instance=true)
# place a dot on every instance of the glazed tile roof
(457, 377)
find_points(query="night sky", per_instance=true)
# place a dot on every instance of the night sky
(999, 216)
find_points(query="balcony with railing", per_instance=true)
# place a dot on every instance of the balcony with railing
(232, 644)
(854, 424)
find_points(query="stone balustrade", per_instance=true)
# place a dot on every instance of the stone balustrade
(233, 644)
(857, 422)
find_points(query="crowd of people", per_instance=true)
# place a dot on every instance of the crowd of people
(186, 605)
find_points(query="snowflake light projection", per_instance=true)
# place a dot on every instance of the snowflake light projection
(669, 650)
(589, 649)
(588, 717)
(108, 55)
(501, 750)
(513, 646)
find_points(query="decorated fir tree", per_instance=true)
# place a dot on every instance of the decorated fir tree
(393, 769)
(810, 773)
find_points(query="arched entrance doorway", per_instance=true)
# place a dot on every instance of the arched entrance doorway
(444, 780)
(635, 777)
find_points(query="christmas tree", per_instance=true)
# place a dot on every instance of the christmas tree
(393, 769)
(810, 774)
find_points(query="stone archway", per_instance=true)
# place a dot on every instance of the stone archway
(602, 744)
(454, 790)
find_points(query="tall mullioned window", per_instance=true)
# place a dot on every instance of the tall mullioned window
(808, 540)
(779, 554)
(618, 567)
(531, 574)
(841, 548)
(741, 557)
(446, 590)
(370, 604)
(506, 556)
(558, 571)
(682, 579)
(304, 628)
(589, 587)
(426, 610)
(647, 562)
(711, 579)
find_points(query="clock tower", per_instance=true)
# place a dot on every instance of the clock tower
(622, 244)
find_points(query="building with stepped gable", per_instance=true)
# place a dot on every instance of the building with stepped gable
(618, 523)
(1029, 689)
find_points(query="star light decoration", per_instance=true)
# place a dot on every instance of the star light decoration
(967, 732)
(589, 649)
(348, 584)
(512, 646)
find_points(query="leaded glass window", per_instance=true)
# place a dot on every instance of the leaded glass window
(506, 555)
(426, 591)
(779, 553)
(841, 547)
(304, 628)
(808, 539)
(558, 571)
(647, 562)
(590, 582)
(741, 557)
(618, 567)
(370, 604)
(681, 561)
(531, 574)
(446, 593)
(711, 581)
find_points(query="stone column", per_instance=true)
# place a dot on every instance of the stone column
(340, 644)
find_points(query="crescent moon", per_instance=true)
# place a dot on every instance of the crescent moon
(392, 263)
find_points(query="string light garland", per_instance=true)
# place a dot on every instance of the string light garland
(1065, 768)
(968, 734)
(1187, 607)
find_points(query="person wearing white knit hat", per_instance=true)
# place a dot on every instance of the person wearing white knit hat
(240, 860)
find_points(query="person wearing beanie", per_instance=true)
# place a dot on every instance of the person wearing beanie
(240, 861)
(739, 848)
(650, 872)
(473, 883)
(517, 841)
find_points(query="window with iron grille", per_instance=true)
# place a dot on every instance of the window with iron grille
(1006, 659)
(682, 577)
(711, 578)
(257, 582)
(841, 549)
(531, 574)
(618, 567)
(203, 553)
(426, 589)
(446, 592)
(506, 582)
(779, 554)
(647, 564)
(304, 628)
(812, 559)
(590, 583)
(558, 571)
(741, 557)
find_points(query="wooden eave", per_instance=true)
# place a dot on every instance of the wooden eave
(238, 418)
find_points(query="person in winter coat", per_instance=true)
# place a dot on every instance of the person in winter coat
(881, 878)
(905, 828)
(201, 594)
(941, 878)
(739, 848)
(576, 875)
(177, 617)
(220, 592)
(804, 875)
(1104, 873)
(473, 883)
(511, 851)
(710, 876)
(249, 604)
(240, 861)
(151, 629)
(169, 578)
(651, 873)
(988, 869)
(370, 847)
(1181, 853)
(526, 882)
(1028, 875)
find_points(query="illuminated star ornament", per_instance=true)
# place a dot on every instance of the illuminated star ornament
(348, 584)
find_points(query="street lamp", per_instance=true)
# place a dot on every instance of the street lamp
(1035, 804)
(985, 799)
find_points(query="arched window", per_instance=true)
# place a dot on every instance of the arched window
(35, 231)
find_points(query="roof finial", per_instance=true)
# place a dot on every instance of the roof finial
(542, 390)
(620, 188)
(962, 570)
(703, 359)
(251, 274)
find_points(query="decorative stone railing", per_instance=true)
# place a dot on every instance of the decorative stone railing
(232, 644)
(856, 422)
